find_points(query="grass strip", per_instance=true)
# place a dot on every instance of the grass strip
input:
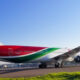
(51, 76)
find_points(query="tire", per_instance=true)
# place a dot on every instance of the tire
(57, 65)
(42, 66)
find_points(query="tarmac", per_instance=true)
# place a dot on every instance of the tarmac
(16, 73)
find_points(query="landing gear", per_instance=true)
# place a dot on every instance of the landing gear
(43, 65)
(58, 65)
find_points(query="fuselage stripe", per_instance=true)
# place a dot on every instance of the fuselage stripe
(30, 57)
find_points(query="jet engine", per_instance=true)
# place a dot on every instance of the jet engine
(77, 59)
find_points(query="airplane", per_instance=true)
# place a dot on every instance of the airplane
(33, 54)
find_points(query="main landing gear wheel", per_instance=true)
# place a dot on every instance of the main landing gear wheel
(43, 65)
(58, 65)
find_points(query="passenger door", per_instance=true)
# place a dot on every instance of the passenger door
(10, 51)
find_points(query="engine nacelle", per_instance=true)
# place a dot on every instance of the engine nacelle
(77, 59)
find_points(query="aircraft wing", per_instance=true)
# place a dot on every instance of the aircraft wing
(68, 54)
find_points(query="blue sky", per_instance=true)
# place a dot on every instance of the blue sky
(52, 23)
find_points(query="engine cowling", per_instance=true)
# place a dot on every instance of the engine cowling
(77, 59)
